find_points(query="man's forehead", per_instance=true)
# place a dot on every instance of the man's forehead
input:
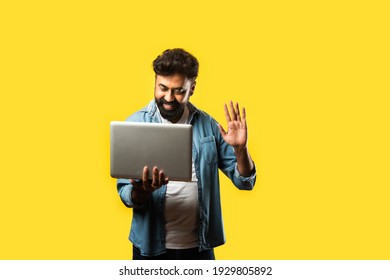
(175, 79)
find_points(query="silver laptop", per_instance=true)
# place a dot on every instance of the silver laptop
(166, 146)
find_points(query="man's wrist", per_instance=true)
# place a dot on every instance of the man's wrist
(240, 151)
(245, 164)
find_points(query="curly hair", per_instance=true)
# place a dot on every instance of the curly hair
(176, 61)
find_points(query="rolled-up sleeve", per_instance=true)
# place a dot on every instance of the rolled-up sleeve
(244, 183)
(124, 190)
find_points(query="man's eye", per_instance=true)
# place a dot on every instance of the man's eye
(163, 89)
(178, 91)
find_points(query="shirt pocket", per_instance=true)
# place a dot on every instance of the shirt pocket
(209, 149)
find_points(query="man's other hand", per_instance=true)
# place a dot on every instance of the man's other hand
(237, 133)
(143, 189)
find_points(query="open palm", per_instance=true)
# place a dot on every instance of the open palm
(237, 133)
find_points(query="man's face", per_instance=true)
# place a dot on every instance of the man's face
(172, 94)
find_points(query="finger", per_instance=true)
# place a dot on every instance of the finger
(161, 179)
(233, 112)
(145, 178)
(244, 116)
(238, 112)
(221, 130)
(155, 178)
(227, 116)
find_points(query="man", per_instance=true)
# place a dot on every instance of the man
(183, 220)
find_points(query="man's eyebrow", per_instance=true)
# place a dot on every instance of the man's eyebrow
(162, 85)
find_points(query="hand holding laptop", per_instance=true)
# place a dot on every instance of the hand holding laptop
(143, 189)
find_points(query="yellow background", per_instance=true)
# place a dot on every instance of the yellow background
(313, 76)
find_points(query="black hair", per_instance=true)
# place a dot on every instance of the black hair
(176, 61)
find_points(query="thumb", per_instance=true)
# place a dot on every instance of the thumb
(221, 130)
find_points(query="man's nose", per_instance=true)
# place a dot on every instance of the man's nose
(169, 96)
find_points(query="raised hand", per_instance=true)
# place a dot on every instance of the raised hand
(237, 134)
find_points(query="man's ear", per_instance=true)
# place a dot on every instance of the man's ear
(192, 88)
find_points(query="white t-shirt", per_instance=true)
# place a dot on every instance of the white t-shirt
(181, 208)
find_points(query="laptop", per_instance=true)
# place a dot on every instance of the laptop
(166, 146)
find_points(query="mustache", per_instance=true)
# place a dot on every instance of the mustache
(172, 103)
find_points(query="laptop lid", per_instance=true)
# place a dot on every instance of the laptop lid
(166, 146)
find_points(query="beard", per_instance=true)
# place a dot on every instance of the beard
(171, 115)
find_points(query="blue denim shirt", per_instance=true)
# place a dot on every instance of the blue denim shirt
(209, 152)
